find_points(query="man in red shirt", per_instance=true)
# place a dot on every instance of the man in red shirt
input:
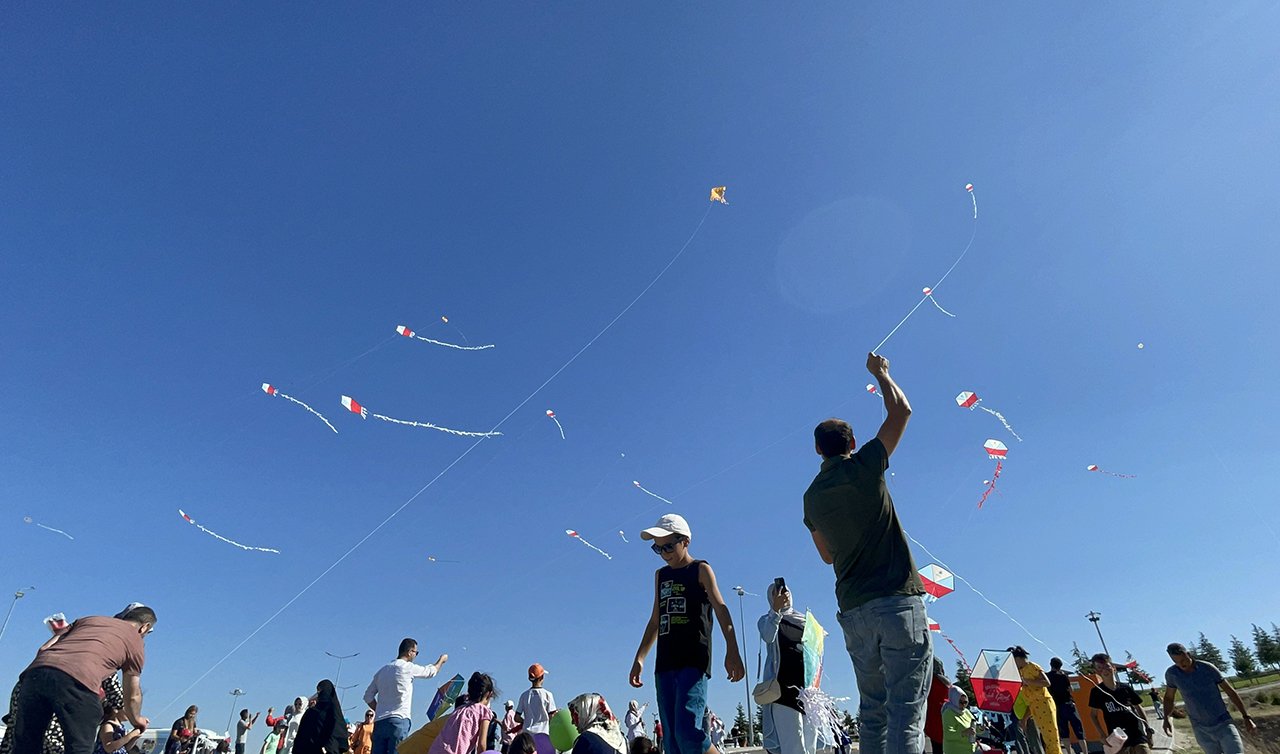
(69, 669)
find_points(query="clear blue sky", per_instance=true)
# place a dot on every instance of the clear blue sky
(197, 200)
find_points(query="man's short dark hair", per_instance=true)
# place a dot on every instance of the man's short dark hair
(1055, 662)
(406, 645)
(833, 436)
(1101, 657)
(140, 615)
(244, 714)
(1176, 648)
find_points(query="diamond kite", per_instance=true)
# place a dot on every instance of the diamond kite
(352, 405)
(1094, 467)
(970, 400)
(272, 390)
(996, 681)
(717, 194)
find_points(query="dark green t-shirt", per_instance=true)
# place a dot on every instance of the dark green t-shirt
(850, 506)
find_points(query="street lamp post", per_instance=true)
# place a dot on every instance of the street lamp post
(1095, 617)
(19, 594)
(751, 736)
(343, 690)
(338, 677)
(235, 697)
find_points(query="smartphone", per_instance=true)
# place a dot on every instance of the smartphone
(780, 583)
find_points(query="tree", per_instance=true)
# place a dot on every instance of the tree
(848, 722)
(1205, 650)
(1136, 673)
(1266, 647)
(962, 679)
(759, 731)
(740, 722)
(1079, 661)
(1246, 666)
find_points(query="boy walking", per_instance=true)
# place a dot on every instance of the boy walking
(684, 596)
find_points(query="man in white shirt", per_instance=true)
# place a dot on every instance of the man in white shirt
(537, 705)
(390, 696)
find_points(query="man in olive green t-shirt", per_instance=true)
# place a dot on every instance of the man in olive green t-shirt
(854, 525)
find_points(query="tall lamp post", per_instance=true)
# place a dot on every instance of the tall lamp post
(338, 677)
(1095, 617)
(751, 735)
(19, 594)
(235, 697)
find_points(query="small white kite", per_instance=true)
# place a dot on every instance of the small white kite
(578, 537)
(218, 536)
(352, 405)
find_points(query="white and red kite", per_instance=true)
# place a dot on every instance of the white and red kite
(578, 537)
(938, 581)
(1094, 467)
(996, 449)
(552, 416)
(996, 681)
(352, 405)
(928, 292)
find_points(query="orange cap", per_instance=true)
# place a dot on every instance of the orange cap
(537, 671)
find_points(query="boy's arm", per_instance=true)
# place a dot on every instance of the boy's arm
(732, 657)
(646, 641)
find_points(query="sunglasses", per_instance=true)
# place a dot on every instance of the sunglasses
(668, 547)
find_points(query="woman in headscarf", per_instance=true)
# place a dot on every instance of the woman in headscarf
(958, 726)
(634, 720)
(782, 631)
(598, 729)
(322, 729)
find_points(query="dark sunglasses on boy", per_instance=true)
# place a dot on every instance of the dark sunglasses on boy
(668, 547)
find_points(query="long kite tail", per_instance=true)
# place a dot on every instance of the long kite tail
(1003, 421)
(559, 426)
(56, 531)
(935, 303)
(315, 413)
(597, 549)
(428, 425)
(652, 494)
(232, 542)
(454, 345)
(991, 486)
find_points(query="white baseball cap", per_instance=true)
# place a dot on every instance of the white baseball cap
(672, 523)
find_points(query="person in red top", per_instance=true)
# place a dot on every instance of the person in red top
(64, 679)
(939, 688)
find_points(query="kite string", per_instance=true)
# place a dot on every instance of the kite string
(454, 462)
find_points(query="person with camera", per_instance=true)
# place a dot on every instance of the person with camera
(778, 693)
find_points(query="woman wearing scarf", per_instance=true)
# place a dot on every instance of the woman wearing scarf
(322, 730)
(598, 729)
(634, 720)
(958, 726)
(782, 631)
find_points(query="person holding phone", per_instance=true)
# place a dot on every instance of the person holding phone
(782, 631)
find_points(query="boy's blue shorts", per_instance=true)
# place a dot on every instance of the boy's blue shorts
(682, 700)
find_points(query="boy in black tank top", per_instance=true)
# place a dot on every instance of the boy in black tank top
(684, 596)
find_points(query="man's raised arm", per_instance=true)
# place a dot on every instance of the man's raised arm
(896, 407)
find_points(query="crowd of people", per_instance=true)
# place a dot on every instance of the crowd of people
(68, 701)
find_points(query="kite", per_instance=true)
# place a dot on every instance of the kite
(1094, 467)
(873, 390)
(28, 520)
(813, 643)
(996, 681)
(1141, 346)
(819, 708)
(937, 629)
(717, 194)
(552, 416)
(970, 400)
(434, 559)
(623, 534)
(352, 405)
(651, 494)
(216, 535)
(406, 332)
(998, 451)
(270, 389)
(938, 582)
(446, 695)
(578, 537)
(933, 288)
(929, 293)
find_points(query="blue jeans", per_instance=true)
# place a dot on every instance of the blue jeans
(1223, 738)
(682, 698)
(888, 641)
(388, 733)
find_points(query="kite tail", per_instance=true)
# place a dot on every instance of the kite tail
(597, 549)
(315, 413)
(56, 531)
(218, 536)
(428, 425)
(653, 494)
(957, 649)
(454, 345)
(624, 537)
(974, 197)
(944, 311)
(559, 426)
(1003, 421)
(820, 712)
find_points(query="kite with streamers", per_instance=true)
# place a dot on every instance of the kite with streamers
(352, 405)
(623, 534)
(813, 642)
(270, 389)
(651, 494)
(552, 416)
(29, 520)
(446, 695)
(1094, 467)
(937, 629)
(820, 710)
(578, 537)
(970, 400)
(218, 536)
(406, 332)
(996, 681)
(997, 451)
(456, 329)
(717, 194)
(929, 293)
(938, 582)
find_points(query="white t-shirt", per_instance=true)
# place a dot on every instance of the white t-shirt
(535, 708)
(392, 687)
(292, 730)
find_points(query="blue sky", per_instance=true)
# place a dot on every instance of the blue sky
(198, 200)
